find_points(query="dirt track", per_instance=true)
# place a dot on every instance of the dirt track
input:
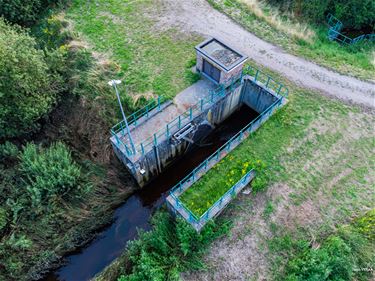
(199, 17)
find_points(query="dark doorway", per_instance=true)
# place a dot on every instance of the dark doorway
(211, 71)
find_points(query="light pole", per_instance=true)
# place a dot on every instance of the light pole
(113, 83)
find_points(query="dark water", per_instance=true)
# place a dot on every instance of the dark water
(136, 210)
(353, 33)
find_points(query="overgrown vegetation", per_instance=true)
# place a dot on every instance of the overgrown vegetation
(286, 142)
(298, 35)
(172, 246)
(353, 13)
(29, 86)
(24, 13)
(218, 180)
(347, 254)
(34, 184)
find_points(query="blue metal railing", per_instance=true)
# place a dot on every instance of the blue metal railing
(214, 158)
(266, 80)
(255, 75)
(235, 140)
(335, 26)
(135, 116)
(182, 119)
(217, 206)
(167, 130)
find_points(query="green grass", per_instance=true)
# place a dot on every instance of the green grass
(354, 60)
(207, 190)
(310, 129)
(343, 254)
(149, 61)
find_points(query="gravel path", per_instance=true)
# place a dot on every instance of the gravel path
(199, 17)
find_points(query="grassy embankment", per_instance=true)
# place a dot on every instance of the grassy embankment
(305, 40)
(150, 63)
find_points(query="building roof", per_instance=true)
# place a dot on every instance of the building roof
(220, 53)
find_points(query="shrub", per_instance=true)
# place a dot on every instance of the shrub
(353, 13)
(340, 256)
(27, 90)
(48, 173)
(3, 219)
(23, 12)
(170, 248)
(8, 151)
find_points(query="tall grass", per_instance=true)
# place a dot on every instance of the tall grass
(280, 21)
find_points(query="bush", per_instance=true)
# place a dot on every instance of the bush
(48, 173)
(339, 257)
(27, 89)
(170, 248)
(23, 12)
(353, 13)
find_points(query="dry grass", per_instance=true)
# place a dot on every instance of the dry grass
(275, 19)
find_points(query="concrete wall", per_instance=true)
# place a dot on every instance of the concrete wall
(256, 97)
(166, 152)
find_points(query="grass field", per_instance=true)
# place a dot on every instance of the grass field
(304, 40)
(319, 166)
(150, 62)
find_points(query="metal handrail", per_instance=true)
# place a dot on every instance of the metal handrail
(218, 203)
(216, 154)
(266, 80)
(334, 32)
(135, 116)
(255, 75)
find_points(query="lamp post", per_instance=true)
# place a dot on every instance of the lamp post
(113, 83)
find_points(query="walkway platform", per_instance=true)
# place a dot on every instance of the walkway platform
(145, 134)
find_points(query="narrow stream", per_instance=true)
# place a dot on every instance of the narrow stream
(136, 210)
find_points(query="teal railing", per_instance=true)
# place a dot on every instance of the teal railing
(335, 26)
(135, 116)
(266, 80)
(187, 181)
(199, 222)
(169, 128)
(119, 131)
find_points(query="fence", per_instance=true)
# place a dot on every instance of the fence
(335, 26)
(165, 132)
(199, 171)
(143, 112)
(266, 80)
(120, 135)
(199, 222)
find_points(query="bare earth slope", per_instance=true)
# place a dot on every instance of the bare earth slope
(199, 17)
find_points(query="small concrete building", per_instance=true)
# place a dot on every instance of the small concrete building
(219, 63)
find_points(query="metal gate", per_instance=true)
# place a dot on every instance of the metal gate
(211, 71)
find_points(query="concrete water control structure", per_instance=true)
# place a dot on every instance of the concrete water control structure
(161, 132)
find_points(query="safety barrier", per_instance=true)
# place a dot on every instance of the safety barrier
(143, 112)
(199, 222)
(266, 80)
(199, 171)
(335, 26)
(119, 130)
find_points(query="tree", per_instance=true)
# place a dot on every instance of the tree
(23, 12)
(27, 89)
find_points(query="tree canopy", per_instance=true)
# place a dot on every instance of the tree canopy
(27, 89)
